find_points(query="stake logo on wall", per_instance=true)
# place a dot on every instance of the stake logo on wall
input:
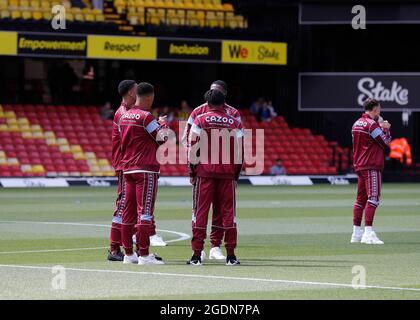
(369, 88)
(347, 91)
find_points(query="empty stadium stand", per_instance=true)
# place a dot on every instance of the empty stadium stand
(41, 10)
(53, 140)
(122, 16)
(45, 140)
(196, 13)
(301, 151)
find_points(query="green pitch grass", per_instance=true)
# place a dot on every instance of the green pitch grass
(293, 244)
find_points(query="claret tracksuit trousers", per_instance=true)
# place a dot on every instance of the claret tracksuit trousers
(207, 192)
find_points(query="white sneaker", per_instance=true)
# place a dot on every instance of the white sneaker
(356, 236)
(131, 259)
(371, 238)
(216, 254)
(157, 241)
(150, 259)
(203, 256)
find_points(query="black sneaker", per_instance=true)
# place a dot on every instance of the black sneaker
(157, 257)
(119, 256)
(232, 261)
(195, 261)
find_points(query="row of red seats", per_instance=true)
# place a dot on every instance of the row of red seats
(51, 108)
(301, 151)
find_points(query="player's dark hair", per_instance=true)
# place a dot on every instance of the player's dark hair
(145, 89)
(370, 103)
(219, 85)
(214, 97)
(125, 86)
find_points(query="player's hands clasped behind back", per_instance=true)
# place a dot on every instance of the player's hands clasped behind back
(385, 124)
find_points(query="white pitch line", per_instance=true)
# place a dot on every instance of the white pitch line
(57, 223)
(182, 236)
(52, 250)
(315, 283)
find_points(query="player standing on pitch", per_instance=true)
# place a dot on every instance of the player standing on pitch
(127, 89)
(215, 156)
(140, 135)
(370, 139)
(216, 235)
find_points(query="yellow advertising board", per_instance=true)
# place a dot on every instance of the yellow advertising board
(8, 43)
(254, 52)
(142, 48)
(114, 47)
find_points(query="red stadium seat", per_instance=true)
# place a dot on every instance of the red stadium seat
(301, 151)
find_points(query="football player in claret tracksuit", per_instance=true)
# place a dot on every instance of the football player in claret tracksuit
(127, 90)
(141, 134)
(216, 235)
(215, 156)
(370, 139)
